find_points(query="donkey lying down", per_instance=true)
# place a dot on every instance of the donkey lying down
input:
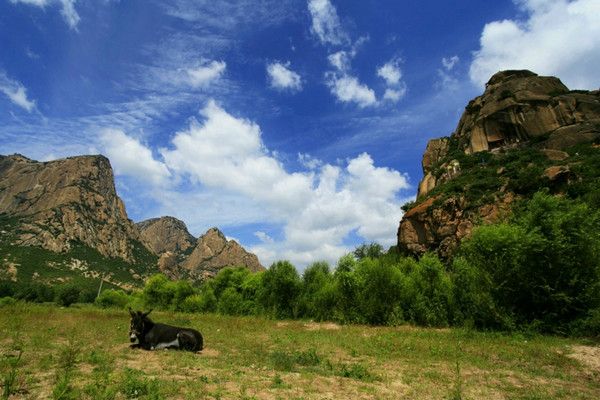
(154, 336)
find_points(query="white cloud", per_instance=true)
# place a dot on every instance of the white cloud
(264, 237)
(318, 207)
(341, 60)
(308, 161)
(131, 158)
(559, 37)
(68, 11)
(348, 89)
(392, 75)
(16, 92)
(390, 72)
(394, 95)
(206, 73)
(450, 62)
(326, 23)
(283, 78)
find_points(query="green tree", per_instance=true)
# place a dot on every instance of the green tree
(280, 290)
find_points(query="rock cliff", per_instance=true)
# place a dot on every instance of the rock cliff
(518, 136)
(182, 255)
(65, 202)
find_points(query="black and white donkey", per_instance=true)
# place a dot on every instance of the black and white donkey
(154, 336)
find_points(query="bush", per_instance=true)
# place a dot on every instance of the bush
(317, 299)
(7, 301)
(193, 304)
(428, 292)
(158, 292)
(543, 267)
(67, 294)
(280, 291)
(380, 286)
(113, 298)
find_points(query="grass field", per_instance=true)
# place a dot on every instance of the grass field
(51, 352)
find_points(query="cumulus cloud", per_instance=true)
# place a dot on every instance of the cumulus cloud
(283, 78)
(16, 92)
(130, 157)
(348, 89)
(206, 73)
(326, 23)
(318, 208)
(341, 60)
(558, 37)
(392, 75)
(68, 11)
(390, 72)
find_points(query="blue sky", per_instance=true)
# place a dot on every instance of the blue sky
(297, 127)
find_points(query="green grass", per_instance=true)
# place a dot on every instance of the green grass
(83, 352)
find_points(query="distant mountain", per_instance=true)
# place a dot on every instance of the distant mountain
(62, 220)
(182, 255)
(525, 133)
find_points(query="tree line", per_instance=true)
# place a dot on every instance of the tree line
(538, 270)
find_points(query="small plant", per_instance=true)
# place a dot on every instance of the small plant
(9, 379)
(355, 371)
(284, 361)
(457, 390)
(135, 385)
(67, 361)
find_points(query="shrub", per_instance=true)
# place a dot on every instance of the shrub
(280, 290)
(544, 266)
(159, 291)
(428, 292)
(380, 286)
(193, 304)
(67, 294)
(113, 298)
(7, 301)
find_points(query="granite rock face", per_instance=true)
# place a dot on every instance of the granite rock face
(517, 109)
(166, 234)
(182, 255)
(67, 201)
(518, 106)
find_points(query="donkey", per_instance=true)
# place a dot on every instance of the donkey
(154, 336)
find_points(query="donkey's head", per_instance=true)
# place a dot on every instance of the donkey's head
(138, 323)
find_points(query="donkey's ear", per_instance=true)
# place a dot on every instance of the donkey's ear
(147, 312)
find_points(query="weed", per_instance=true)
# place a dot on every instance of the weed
(134, 385)
(278, 383)
(285, 361)
(457, 390)
(9, 379)
(356, 371)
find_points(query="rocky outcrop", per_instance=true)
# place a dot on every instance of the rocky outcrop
(67, 201)
(519, 106)
(182, 255)
(518, 109)
(214, 252)
(166, 234)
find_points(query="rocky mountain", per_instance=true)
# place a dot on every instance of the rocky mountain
(524, 133)
(182, 255)
(63, 220)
